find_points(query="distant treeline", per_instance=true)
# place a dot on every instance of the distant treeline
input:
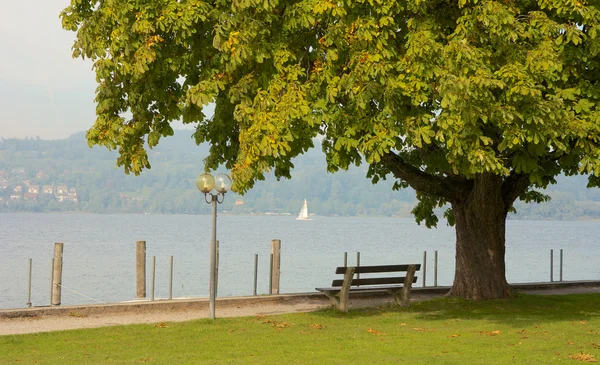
(169, 187)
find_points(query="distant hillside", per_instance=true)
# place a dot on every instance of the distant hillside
(95, 185)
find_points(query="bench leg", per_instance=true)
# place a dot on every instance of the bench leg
(396, 293)
(405, 292)
(334, 299)
(345, 292)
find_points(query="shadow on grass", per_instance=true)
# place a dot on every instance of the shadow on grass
(518, 311)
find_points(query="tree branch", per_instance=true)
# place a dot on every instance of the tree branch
(451, 188)
(514, 185)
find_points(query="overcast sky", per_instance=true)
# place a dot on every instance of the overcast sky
(43, 91)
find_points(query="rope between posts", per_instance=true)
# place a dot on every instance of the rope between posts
(83, 295)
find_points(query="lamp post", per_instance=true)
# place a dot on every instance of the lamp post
(221, 184)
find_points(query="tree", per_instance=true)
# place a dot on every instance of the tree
(473, 104)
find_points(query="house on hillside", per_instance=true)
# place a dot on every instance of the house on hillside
(15, 196)
(33, 189)
(72, 196)
(30, 196)
(62, 190)
(67, 198)
(18, 189)
(48, 189)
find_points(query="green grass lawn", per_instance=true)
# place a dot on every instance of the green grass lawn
(528, 329)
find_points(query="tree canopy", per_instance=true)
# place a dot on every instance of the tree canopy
(463, 100)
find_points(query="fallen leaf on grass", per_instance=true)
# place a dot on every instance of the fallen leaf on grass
(375, 332)
(582, 322)
(419, 329)
(595, 345)
(277, 325)
(454, 335)
(402, 324)
(492, 333)
(570, 343)
(583, 357)
(316, 326)
(161, 325)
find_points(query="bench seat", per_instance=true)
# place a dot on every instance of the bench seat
(398, 286)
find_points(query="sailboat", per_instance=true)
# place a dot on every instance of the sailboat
(303, 215)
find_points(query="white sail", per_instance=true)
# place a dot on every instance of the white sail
(303, 215)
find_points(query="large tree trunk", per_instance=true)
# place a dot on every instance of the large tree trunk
(480, 241)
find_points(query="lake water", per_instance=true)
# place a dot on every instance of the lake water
(99, 252)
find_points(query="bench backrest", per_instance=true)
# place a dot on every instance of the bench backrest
(375, 270)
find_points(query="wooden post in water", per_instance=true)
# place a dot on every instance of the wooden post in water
(57, 273)
(358, 263)
(435, 269)
(51, 279)
(271, 274)
(551, 265)
(153, 275)
(255, 273)
(276, 251)
(424, 268)
(29, 284)
(561, 265)
(140, 269)
(171, 278)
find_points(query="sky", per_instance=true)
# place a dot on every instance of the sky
(44, 92)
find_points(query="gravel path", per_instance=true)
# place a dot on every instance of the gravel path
(10, 326)
(21, 325)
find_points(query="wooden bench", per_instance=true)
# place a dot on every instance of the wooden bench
(398, 286)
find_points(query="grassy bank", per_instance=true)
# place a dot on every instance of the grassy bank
(527, 329)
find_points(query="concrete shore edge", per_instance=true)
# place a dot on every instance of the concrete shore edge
(202, 303)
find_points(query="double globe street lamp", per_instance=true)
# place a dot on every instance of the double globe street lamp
(206, 183)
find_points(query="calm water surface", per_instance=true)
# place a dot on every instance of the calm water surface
(99, 252)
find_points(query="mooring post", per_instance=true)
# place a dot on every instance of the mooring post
(551, 265)
(57, 273)
(29, 284)
(345, 259)
(424, 268)
(140, 269)
(435, 269)
(255, 273)
(358, 263)
(561, 265)
(171, 279)
(271, 275)
(276, 251)
(153, 275)
(51, 279)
